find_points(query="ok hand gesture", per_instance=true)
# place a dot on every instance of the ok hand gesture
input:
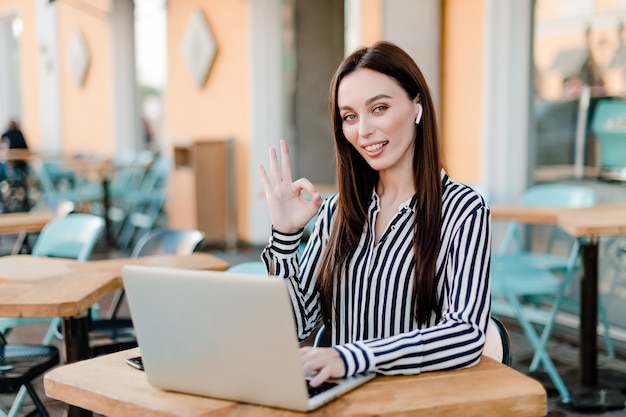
(290, 211)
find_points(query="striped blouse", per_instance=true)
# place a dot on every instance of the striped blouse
(373, 327)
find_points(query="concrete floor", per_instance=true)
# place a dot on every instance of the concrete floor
(563, 350)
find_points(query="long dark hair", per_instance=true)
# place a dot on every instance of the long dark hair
(356, 180)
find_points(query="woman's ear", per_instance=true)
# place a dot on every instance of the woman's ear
(420, 110)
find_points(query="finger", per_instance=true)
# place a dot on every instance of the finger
(274, 169)
(264, 178)
(306, 185)
(320, 377)
(285, 160)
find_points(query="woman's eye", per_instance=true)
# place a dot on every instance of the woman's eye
(380, 108)
(349, 117)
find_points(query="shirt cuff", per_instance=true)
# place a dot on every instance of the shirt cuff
(356, 357)
(284, 245)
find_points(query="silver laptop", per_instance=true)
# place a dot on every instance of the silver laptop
(222, 335)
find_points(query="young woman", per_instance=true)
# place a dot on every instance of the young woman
(397, 266)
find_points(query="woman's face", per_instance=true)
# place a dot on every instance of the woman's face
(378, 119)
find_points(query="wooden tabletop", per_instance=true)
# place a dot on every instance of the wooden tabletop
(600, 220)
(33, 286)
(24, 222)
(108, 386)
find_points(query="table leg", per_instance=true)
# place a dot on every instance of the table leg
(589, 314)
(106, 203)
(76, 335)
(592, 393)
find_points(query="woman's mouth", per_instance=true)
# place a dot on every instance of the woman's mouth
(376, 146)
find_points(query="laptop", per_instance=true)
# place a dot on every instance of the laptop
(222, 335)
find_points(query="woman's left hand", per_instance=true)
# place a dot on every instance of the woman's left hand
(325, 361)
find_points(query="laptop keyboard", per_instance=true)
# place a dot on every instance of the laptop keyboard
(313, 391)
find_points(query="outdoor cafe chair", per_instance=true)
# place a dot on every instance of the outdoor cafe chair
(525, 284)
(112, 334)
(78, 192)
(20, 365)
(512, 254)
(144, 206)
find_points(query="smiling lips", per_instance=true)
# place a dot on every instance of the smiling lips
(376, 146)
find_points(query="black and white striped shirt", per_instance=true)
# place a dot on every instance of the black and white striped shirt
(374, 329)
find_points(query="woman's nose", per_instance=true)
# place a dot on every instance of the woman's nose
(365, 127)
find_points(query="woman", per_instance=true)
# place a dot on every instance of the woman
(397, 266)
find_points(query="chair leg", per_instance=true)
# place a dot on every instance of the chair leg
(610, 348)
(17, 402)
(116, 303)
(36, 400)
(540, 350)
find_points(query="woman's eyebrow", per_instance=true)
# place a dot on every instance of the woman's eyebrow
(378, 97)
(368, 101)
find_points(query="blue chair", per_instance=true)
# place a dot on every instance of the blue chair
(562, 195)
(22, 364)
(53, 189)
(252, 267)
(160, 241)
(73, 236)
(518, 275)
(146, 204)
(113, 334)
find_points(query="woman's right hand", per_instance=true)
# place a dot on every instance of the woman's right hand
(290, 211)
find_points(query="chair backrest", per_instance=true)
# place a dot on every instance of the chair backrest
(59, 208)
(168, 241)
(560, 195)
(73, 236)
(252, 267)
(498, 342)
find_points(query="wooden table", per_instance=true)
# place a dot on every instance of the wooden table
(587, 225)
(23, 223)
(108, 386)
(51, 287)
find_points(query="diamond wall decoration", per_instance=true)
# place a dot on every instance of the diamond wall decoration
(78, 57)
(198, 47)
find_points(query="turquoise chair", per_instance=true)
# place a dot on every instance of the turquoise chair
(78, 192)
(146, 204)
(252, 267)
(512, 254)
(73, 236)
(517, 274)
(113, 334)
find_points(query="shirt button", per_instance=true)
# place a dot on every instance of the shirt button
(393, 227)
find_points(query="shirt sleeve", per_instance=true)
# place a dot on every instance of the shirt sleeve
(284, 258)
(458, 339)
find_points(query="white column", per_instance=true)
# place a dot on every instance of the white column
(48, 66)
(415, 26)
(266, 106)
(126, 113)
(506, 100)
(9, 67)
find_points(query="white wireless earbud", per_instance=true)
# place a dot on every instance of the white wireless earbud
(420, 109)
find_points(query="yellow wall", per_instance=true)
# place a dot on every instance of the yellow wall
(463, 22)
(86, 112)
(28, 68)
(371, 26)
(220, 109)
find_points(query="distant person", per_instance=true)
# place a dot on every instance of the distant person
(16, 141)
